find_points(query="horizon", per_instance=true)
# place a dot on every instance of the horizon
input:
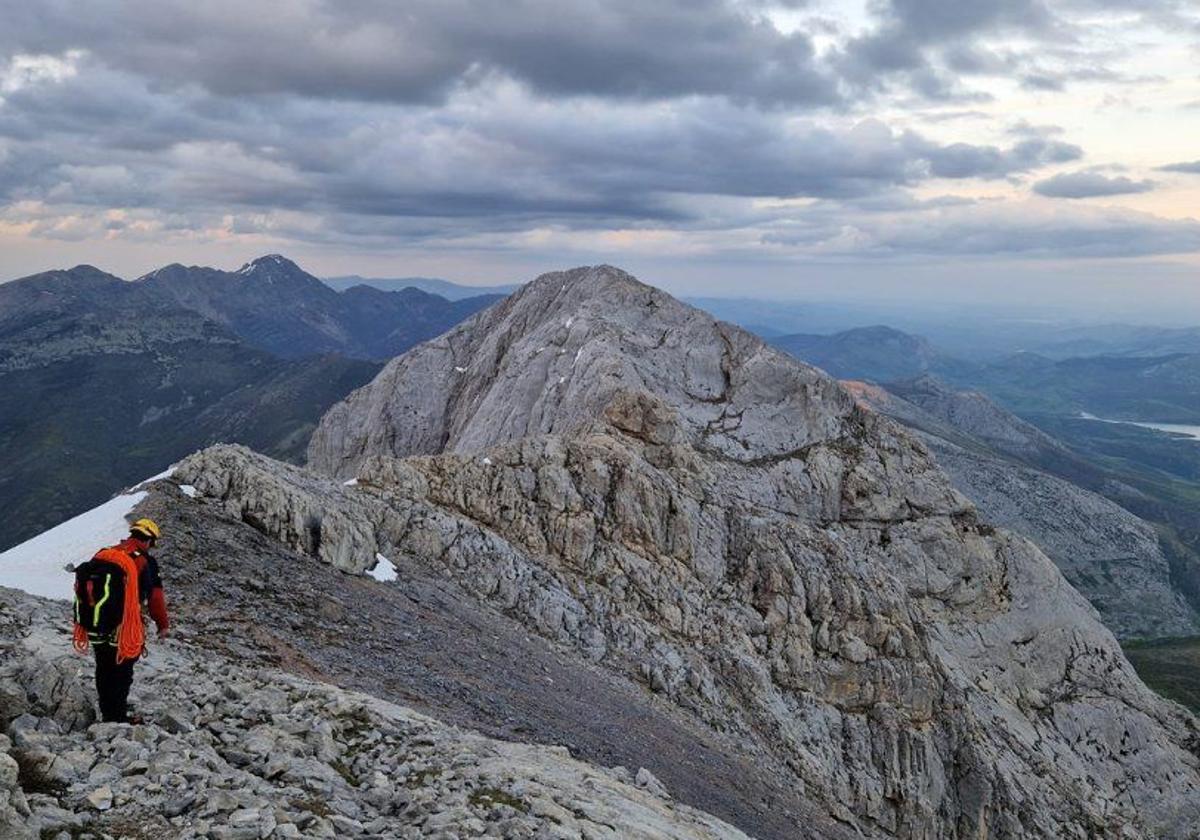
(976, 154)
(865, 306)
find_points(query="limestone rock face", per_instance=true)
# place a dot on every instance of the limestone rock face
(676, 501)
(1110, 555)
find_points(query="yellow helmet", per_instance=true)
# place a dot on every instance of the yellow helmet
(145, 528)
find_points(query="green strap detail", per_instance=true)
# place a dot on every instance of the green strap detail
(100, 603)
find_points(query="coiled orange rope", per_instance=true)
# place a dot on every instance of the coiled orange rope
(79, 638)
(131, 635)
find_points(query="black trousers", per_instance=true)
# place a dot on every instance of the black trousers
(112, 683)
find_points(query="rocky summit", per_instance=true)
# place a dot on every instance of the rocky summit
(689, 518)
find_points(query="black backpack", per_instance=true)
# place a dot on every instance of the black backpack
(99, 597)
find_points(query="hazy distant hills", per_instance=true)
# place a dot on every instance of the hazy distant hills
(276, 306)
(432, 285)
(108, 381)
(878, 353)
(1150, 388)
(1153, 388)
(1120, 340)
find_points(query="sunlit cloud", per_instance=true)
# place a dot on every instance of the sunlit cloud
(24, 70)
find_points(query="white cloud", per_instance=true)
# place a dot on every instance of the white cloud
(26, 70)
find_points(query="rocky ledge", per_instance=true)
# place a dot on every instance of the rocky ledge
(231, 751)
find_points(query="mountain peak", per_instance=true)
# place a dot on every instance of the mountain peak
(18, 298)
(559, 353)
(272, 263)
(576, 286)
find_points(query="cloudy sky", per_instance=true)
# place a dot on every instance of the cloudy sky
(716, 146)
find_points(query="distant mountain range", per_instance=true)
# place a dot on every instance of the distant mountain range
(442, 288)
(1154, 388)
(272, 304)
(1162, 388)
(108, 381)
(1120, 340)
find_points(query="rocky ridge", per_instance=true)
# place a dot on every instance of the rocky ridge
(1110, 555)
(273, 304)
(677, 502)
(235, 751)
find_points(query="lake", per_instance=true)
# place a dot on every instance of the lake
(1190, 432)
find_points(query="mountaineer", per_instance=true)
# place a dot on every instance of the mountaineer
(109, 592)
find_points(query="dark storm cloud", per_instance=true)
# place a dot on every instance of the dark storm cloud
(419, 50)
(1190, 167)
(1089, 185)
(962, 160)
(933, 47)
(935, 21)
(912, 33)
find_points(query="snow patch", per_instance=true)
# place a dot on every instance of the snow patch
(570, 321)
(460, 370)
(188, 490)
(167, 473)
(38, 566)
(351, 483)
(487, 461)
(383, 570)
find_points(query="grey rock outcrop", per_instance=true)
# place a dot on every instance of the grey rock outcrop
(1110, 555)
(677, 501)
(232, 751)
(550, 359)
